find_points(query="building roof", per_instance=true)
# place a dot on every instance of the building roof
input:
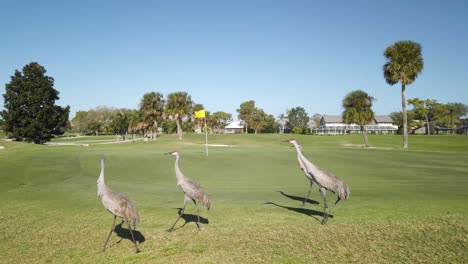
(332, 118)
(383, 119)
(339, 119)
(234, 125)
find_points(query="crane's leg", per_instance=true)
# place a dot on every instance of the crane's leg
(180, 214)
(308, 194)
(110, 233)
(133, 238)
(323, 192)
(325, 218)
(198, 214)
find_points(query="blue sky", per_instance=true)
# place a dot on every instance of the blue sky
(281, 54)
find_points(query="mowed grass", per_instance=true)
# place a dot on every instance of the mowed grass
(406, 206)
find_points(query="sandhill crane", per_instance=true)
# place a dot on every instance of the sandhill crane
(193, 192)
(326, 181)
(119, 205)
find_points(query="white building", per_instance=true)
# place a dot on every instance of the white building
(334, 125)
(235, 127)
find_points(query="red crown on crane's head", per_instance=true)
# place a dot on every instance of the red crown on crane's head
(174, 152)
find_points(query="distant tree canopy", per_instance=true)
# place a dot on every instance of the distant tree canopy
(246, 113)
(255, 119)
(262, 122)
(358, 109)
(421, 110)
(298, 119)
(221, 120)
(120, 124)
(152, 108)
(30, 112)
(436, 114)
(178, 106)
(316, 118)
(154, 114)
(397, 118)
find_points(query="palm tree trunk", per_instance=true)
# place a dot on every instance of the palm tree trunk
(405, 118)
(364, 135)
(179, 128)
(428, 127)
(155, 129)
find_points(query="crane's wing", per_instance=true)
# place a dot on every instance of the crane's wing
(121, 206)
(326, 179)
(194, 191)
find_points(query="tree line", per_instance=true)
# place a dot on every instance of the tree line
(31, 114)
(175, 114)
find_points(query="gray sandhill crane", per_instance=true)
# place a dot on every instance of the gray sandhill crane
(119, 205)
(326, 181)
(193, 192)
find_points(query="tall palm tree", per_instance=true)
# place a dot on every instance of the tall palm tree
(404, 63)
(358, 110)
(135, 122)
(120, 124)
(179, 105)
(152, 106)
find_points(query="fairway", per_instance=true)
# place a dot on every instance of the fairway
(405, 206)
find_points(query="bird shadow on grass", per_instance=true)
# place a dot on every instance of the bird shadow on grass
(124, 233)
(188, 218)
(301, 210)
(298, 198)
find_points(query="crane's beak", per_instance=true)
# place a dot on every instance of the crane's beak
(167, 153)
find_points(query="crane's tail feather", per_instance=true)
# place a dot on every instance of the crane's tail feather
(206, 201)
(132, 215)
(344, 191)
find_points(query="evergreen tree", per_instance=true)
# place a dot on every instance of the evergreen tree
(246, 113)
(358, 109)
(30, 112)
(298, 119)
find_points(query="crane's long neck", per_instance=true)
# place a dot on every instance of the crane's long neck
(298, 150)
(305, 161)
(178, 173)
(101, 185)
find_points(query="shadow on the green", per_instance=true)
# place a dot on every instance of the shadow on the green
(124, 233)
(298, 198)
(188, 218)
(308, 212)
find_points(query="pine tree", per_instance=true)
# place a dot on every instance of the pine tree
(30, 112)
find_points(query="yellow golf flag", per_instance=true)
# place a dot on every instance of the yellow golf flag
(200, 114)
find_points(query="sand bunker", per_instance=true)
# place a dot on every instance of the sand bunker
(66, 144)
(219, 145)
